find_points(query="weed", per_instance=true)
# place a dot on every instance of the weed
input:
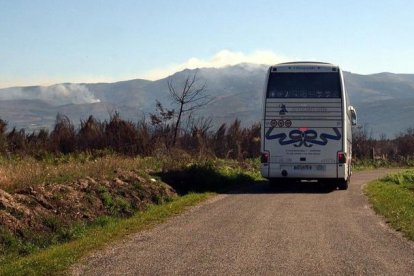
(69, 233)
(163, 199)
(8, 242)
(53, 223)
(121, 206)
(106, 197)
(102, 221)
(402, 178)
(27, 248)
(393, 198)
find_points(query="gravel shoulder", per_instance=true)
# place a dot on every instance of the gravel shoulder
(265, 229)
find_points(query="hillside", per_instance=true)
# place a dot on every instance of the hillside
(235, 92)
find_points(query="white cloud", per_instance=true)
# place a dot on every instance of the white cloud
(220, 59)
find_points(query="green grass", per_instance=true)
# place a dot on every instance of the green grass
(58, 258)
(213, 175)
(393, 198)
(369, 164)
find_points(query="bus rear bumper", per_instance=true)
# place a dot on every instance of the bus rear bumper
(300, 171)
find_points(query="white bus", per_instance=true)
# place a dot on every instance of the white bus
(306, 126)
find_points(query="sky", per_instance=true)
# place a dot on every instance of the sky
(43, 42)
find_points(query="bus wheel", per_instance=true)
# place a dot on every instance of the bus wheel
(343, 184)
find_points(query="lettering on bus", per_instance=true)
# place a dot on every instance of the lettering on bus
(308, 109)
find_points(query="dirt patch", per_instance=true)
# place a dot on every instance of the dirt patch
(41, 208)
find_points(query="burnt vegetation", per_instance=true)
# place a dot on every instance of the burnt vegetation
(196, 136)
(142, 138)
(383, 150)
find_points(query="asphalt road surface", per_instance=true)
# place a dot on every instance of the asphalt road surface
(304, 229)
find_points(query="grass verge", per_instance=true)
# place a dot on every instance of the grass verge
(66, 168)
(369, 164)
(197, 179)
(57, 259)
(393, 198)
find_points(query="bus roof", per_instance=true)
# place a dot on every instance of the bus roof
(304, 66)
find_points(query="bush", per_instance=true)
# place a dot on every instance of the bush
(125, 137)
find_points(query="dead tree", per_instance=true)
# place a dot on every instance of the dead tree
(188, 98)
(162, 121)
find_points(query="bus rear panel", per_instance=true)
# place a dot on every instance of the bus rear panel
(305, 132)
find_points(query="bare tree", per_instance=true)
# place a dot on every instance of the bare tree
(162, 121)
(188, 98)
(162, 117)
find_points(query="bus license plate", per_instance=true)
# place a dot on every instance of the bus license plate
(320, 167)
(302, 167)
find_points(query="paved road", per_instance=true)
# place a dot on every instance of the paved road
(266, 230)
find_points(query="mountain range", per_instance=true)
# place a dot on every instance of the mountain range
(384, 101)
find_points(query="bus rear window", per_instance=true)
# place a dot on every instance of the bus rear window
(304, 85)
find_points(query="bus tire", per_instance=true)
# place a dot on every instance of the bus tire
(343, 184)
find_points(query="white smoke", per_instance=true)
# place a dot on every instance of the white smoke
(59, 94)
(220, 59)
(67, 94)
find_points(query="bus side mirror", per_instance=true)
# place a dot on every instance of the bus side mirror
(353, 116)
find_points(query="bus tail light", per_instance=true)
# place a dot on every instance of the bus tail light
(341, 157)
(264, 158)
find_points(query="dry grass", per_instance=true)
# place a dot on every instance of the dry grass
(23, 172)
(15, 174)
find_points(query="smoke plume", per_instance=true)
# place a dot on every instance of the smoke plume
(59, 94)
